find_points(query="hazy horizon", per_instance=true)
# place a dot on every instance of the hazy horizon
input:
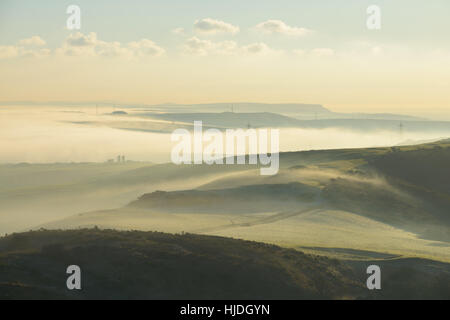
(290, 51)
(39, 134)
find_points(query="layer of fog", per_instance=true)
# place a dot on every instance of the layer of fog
(58, 134)
(26, 203)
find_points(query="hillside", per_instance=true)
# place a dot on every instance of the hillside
(241, 199)
(148, 265)
(362, 199)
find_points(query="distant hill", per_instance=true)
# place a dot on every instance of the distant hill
(281, 108)
(382, 116)
(118, 113)
(299, 111)
(274, 120)
(231, 119)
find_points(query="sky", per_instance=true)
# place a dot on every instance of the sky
(151, 52)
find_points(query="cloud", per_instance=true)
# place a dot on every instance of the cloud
(198, 46)
(145, 47)
(8, 52)
(79, 44)
(111, 49)
(35, 53)
(201, 47)
(279, 27)
(80, 40)
(25, 48)
(211, 26)
(33, 41)
(259, 48)
(179, 31)
(83, 45)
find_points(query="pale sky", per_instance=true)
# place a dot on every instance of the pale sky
(151, 52)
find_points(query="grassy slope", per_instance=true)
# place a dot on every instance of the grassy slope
(363, 201)
(152, 265)
(363, 194)
(155, 266)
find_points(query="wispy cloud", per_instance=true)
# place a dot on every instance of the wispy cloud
(25, 48)
(82, 45)
(79, 44)
(79, 39)
(179, 31)
(32, 41)
(259, 48)
(212, 26)
(8, 52)
(280, 27)
(203, 47)
(146, 47)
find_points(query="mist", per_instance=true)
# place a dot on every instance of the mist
(67, 134)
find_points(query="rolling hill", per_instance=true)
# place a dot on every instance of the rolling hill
(148, 265)
(350, 199)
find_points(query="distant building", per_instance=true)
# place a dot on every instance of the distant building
(119, 159)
